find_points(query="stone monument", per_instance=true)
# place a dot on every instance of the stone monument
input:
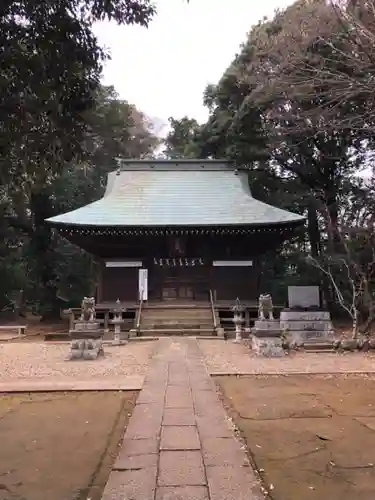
(266, 334)
(117, 321)
(304, 322)
(238, 319)
(87, 342)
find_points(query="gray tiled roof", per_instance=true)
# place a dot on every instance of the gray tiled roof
(200, 193)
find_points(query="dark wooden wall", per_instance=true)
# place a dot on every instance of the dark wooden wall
(207, 246)
(228, 283)
(118, 283)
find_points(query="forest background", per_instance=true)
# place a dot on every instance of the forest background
(296, 107)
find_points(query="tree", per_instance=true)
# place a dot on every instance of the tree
(181, 141)
(51, 65)
(60, 131)
(352, 275)
(51, 266)
(50, 70)
(322, 51)
(296, 160)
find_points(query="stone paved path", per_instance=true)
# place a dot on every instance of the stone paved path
(129, 383)
(178, 444)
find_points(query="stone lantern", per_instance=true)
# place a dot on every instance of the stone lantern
(238, 319)
(117, 321)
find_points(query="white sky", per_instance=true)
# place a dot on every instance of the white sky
(164, 69)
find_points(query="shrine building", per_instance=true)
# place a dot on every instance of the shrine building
(168, 230)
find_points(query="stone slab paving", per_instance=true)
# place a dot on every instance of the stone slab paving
(130, 383)
(179, 444)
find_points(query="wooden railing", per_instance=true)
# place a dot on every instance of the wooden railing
(139, 313)
(213, 309)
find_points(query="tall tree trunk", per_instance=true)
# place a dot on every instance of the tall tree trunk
(313, 229)
(43, 246)
(332, 224)
(355, 324)
(326, 295)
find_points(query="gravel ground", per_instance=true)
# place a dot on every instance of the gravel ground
(229, 358)
(38, 361)
(45, 361)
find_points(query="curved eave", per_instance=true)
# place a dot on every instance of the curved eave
(75, 229)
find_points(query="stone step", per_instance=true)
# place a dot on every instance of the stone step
(199, 317)
(177, 317)
(52, 336)
(177, 324)
(187, 310)
(318, 347)
(178, 331)
(320, 351)
(170, 305)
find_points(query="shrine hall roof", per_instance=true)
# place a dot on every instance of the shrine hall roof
(176, 193)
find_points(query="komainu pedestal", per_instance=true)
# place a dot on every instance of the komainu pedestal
(266, 334)
(266, 338)
(86, 348)
(87, 341)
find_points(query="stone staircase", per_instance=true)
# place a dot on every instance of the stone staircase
(168, 319)
(318, 347)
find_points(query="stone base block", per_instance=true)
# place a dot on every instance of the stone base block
(306, 326)
(81, 325)
(300, 337)
(267, 324)
(304, 316)
(119, 340)
(85, 334)
(220, 332)
(86, 349)
(266, 333)
(269, 347)
(321, 325)
(76, 353)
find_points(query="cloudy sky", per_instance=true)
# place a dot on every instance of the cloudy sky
(164, 69)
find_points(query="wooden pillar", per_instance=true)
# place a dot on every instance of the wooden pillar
(99, 296)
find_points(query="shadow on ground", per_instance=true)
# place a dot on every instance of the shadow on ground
(60, 446)
(311, 437)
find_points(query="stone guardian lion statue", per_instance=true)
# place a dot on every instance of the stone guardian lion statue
(265, 307)
(88, 309)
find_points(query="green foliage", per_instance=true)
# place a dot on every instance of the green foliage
(182, 139)
(51, 65)
(49, 269)
(295, 141)
(60, 134)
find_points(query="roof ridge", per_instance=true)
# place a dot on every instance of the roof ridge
(182, 164)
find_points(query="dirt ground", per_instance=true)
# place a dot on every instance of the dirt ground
(60, 446)
(35, 329)
(310, 437)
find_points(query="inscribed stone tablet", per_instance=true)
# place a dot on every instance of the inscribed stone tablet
(303, 296)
